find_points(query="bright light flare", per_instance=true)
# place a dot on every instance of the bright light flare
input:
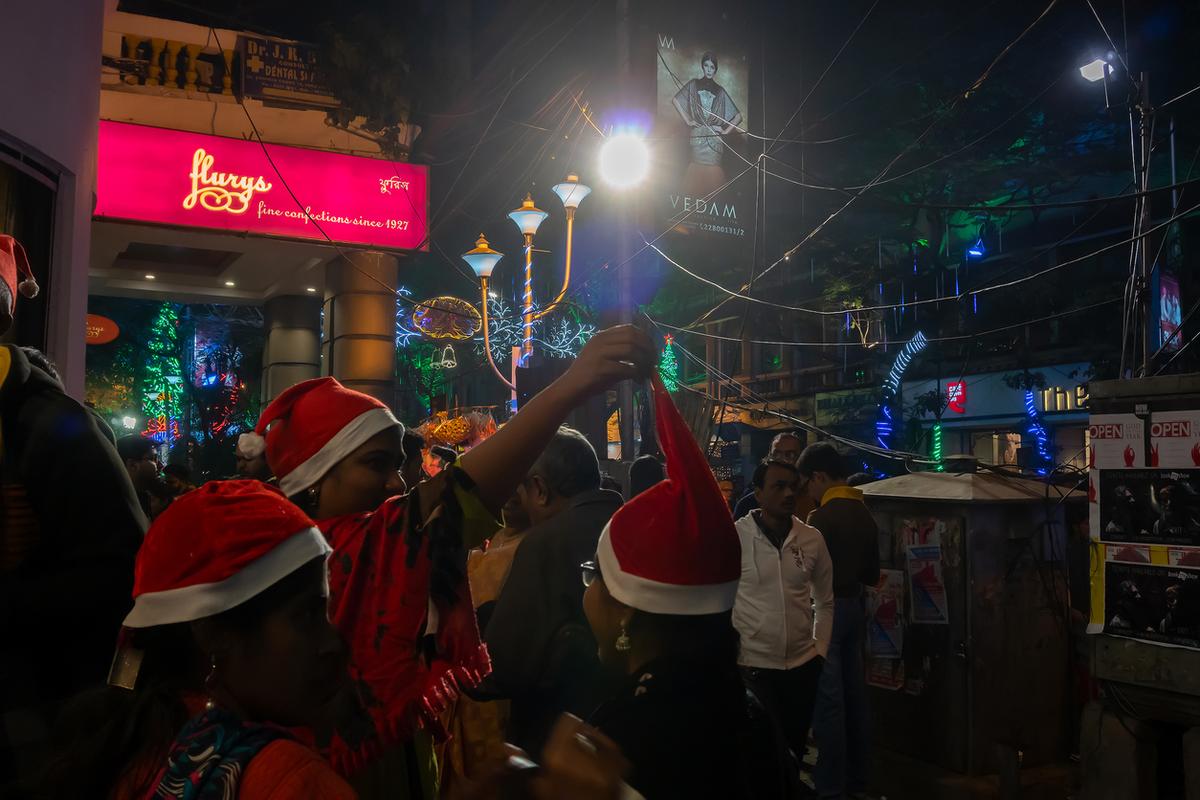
(1096, 70)
(624, 160)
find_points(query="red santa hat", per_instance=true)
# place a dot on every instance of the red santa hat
(216, 547)
(14, 263)
(314, 425)
(673, 548)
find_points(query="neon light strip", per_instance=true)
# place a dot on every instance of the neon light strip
(891, 386)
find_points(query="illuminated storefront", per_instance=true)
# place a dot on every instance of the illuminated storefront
(993, 415)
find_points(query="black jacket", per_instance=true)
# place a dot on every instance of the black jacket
(690, 731)
(543, 653)
(70, 527)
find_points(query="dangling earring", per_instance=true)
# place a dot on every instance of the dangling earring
(210, 681)
(314, 497)
(623, 643)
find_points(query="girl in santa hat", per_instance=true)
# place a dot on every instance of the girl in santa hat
(659, 600)
(227, 647)
(398, 592)
(228, 641)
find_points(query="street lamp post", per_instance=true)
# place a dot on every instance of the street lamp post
(482, 261)
(527, 218)
(1099, 71)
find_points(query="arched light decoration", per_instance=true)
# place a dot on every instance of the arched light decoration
(446, 317)
(482, 259)
(572, 192)
(528, 217)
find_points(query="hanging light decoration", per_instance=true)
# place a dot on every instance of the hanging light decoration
(446, 317)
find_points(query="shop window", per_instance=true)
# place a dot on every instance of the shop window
(983, 446)
(27, 196)
(1007, 446)
(1069, 444)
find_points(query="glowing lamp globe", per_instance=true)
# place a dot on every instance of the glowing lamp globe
(482, 259)
(528, 217)
(624, 160)
(1096, 70)
(571, 192)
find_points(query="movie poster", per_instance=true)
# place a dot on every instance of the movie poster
(702, 112)
(1155, 603)
(1150, 506)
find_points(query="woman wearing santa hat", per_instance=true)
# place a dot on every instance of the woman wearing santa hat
(228, 646)
(398, 592)
(228, 641)
(659, 599)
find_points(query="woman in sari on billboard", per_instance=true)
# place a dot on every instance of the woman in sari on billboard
(710, 112)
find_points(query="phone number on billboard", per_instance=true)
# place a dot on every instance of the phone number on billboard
(721, 229)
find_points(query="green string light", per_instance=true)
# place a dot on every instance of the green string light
(668, 367)
(935, 448)
(162, 377)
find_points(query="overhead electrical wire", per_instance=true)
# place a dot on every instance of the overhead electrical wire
(891, 342)
(771, 408)
(975, 86)
(927, 301)
(821, 77)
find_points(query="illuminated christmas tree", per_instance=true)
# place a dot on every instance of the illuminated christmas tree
(162, 377)
(668, 367)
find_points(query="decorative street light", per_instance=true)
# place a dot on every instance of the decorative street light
(483, 260)
(571, 192)
(528, 218)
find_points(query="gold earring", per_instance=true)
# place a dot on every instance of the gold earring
(210, 681)
(623, 643)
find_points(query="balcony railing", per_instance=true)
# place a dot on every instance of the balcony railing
(169, 65)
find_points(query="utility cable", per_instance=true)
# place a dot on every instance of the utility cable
(928, 301)
(895, 342)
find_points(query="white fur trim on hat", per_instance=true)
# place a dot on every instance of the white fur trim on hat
(202, 600)
(251, 445)
(346, 441)
(660, 598)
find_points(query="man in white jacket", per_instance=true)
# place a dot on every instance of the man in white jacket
(784, 607)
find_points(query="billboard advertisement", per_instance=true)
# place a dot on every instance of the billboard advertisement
(702, 114)
(193, 180)
(1170, 316)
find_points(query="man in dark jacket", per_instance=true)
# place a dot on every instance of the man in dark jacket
(784, 447)
(70, 527)
(543, 653)
(840, 719)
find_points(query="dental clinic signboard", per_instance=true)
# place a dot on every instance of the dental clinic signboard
(170, 177)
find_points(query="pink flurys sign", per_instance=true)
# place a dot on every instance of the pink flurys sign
(171, 177)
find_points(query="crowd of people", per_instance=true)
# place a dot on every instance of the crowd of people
(335, 622)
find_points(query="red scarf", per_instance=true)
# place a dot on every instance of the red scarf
(385, 568)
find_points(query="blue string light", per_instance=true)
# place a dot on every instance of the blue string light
(403, 333)
(1038, 432)
(891, 387)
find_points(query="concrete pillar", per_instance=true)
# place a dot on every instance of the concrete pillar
(359, 337)
(292, 352)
